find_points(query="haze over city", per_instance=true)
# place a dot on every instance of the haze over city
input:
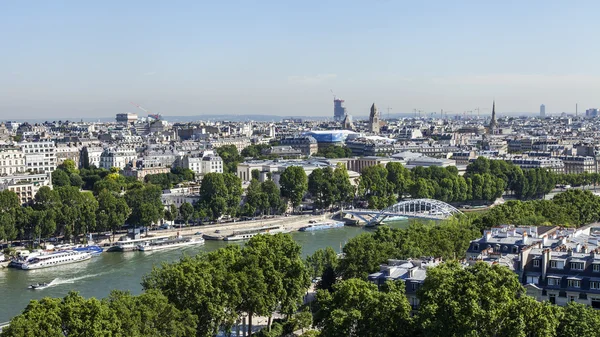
(72, 59)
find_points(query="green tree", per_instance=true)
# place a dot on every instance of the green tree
(579, 320)
(399, 176)
(145, 204)
(477, 300)
(375, 187)
(294, 184)
(60, 178)
(230, 156)
(172, 213)
(186, 211)
(9, 208)
(320, 260)
(207, 284)
(112, 211)
(358, 308)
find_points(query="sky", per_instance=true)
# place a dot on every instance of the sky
(70, 59)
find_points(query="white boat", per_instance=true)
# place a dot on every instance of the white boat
(55, 259)
(127, 244)
(246, 234)
(168, 243)
(39, 286)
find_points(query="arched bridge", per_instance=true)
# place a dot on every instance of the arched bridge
(414, 208)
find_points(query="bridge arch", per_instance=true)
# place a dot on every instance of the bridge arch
(413, 208)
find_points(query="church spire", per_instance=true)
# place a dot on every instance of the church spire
(493, 122)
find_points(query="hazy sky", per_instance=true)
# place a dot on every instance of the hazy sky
(91, 58)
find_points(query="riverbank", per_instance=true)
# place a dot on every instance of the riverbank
(290, 223)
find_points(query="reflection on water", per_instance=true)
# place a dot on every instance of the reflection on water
(124, 271)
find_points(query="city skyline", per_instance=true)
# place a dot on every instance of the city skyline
(74, 60)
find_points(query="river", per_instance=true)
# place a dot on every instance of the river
(124, 271)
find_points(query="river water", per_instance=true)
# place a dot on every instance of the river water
(124, 271)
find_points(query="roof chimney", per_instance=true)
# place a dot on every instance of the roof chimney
(525, 241)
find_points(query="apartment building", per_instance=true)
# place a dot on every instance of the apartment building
(12, 160)
(39, 156)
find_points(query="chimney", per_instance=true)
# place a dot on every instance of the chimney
(570, 252)
(487, 235)
(578, 248)
(545, 262)
(544, 241)
(525, 241)
(584, 249)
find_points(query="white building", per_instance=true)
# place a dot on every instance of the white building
(117, 157)
(93, 153)
(208, 162)
(39, 156)
(25, 185)
(12, 160)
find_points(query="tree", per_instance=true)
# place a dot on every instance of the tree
(356, 308)
(294, 184)
(60, 178)
(341, 182)
(320, 186)
(255, 174)
(172, 213)
(579, 320)
(320, 260)
(112, 211)
(477, 300)
(214, 195)
(186, 211)
(121, 314)
(375, 187)
(230, 156)
(399, 176)
(9, 207)
(145, 204)
(216, 287)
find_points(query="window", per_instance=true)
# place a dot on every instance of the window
(556, 264)
(577, 265)
(574, 284)
(532, 279)
(596, 268)
(536, 263)
(571, 298)
(552, 298)
(552, 281)
(594, 285)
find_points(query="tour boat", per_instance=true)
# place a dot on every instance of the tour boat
(321, 226)
(167, 243)
(127, 244)
(55, 259)
(246, 234)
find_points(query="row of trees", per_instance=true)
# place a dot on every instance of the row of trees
(329, 186)
(480, 300)
(572, 208)
(220, 287)
(382, 186)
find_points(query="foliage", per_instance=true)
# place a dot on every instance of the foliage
(358, 308)
(294, 184)
(112, 211)
(255, 151)
(230, 156)
(145, 204)
(570, 208)
(364, 253)
(375, 187)
(478, 300)
(168, 180)
(120, 314)
(334, 151)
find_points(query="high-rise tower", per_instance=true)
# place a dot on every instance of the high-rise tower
(374, 119)
(542, 111)
(339, 110)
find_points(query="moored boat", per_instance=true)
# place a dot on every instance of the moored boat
(246, 234)
(93, 250)
(127, 244)
(55, 259)
(321, 226)
(168, 243)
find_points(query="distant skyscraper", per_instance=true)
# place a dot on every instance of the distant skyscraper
(542, 111)
(339, 110)
(374, 119)
(493, 123)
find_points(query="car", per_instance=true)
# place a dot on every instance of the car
(198, 233)
(312, 221)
